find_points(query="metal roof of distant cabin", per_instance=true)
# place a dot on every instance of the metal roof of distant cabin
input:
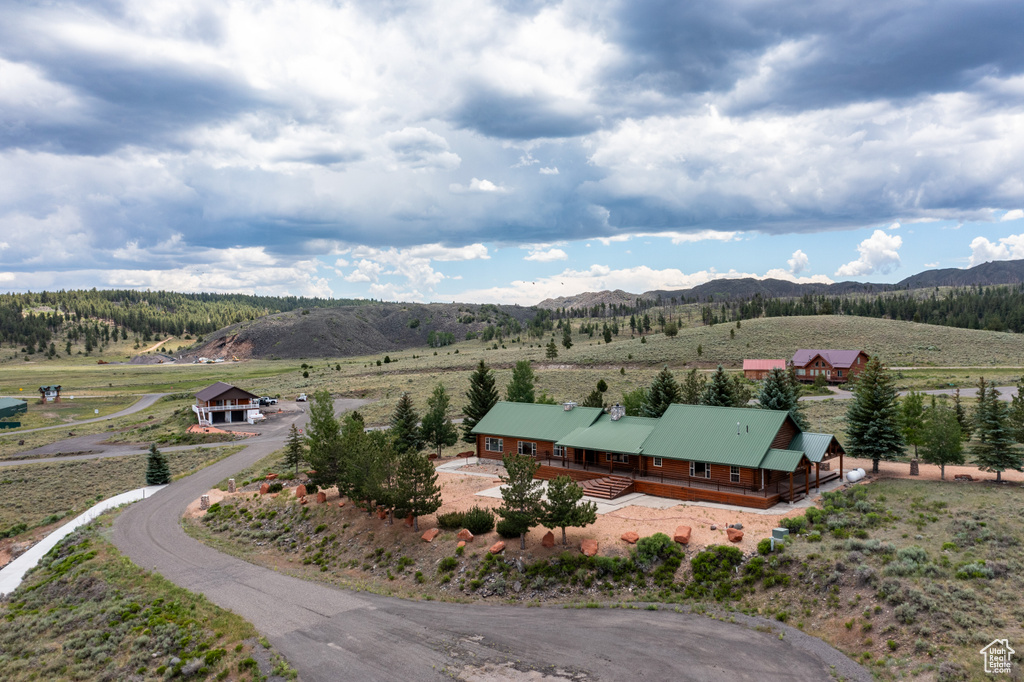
(532, 421)
(12, 406)
(627, 435)
(836, 358)
(218, 389)
(763, 364)
(702, 433)
(782, 460)
(814, 445)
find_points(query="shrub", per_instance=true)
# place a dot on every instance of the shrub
(764, 547)
(905, 613)
(451, 521)
(478, 521)
(796, 525)
(814, 515)
(275, 487)
(650, 549)
(447, 564)
(508, 529)
(814, 537)
(713, 570)
(978, 569)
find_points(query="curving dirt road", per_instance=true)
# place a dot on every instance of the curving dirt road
(332, 634)
(145, 401)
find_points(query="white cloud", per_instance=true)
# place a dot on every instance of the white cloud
(549, 171)
(878, 253)
(1015, 214)
(932, 265)
(366, 271)
(1008, 248)
(798, 263)
(476, 185)
(549, 256)
(421, 150)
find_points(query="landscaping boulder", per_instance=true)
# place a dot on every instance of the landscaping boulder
(382, 514)
(548, 540)
(264, 489)
(734, 535)
(430, 535)
(341, 504)
(321, 496)
(271, 477)
(409, 520)
(303, 500)
(462, 543)
(464, 534)
(631, 537)
(589, 547)
(682, 535)
(300, 491)
(497, 547)
(714, 527)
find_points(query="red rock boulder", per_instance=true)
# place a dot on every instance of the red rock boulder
(548, 540)
(408, 520)
(631, 537)
(300, 491)
(497, 547)
(341, 504)
(589, 547)
(682, 535)
(430, 535)
(321, 496)
(271, 477)
(462, 543)
(733, 534)
(464, 534)
(264, 489)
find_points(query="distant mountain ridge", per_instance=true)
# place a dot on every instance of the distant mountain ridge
(986, 274)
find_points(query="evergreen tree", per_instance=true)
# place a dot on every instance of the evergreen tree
(567, 335)
(941, 438)
(388, 492)
(294, 449)
(961, 415)
(872, 418)
(595, 399)
(912, 419)
(692, 388)
(564, 506)
(157, 471)
(663, 392)
(362, 456)
(482, 397)
(420, 493)
(995, 449)
(719, 391)
(606, 333)
(520, 495)
(437, 429)
(633, 401)
(520, 389)
(552, 350)
(1016, 413)
(741, 391)
(405, 429)
(778, 392)
(323, 438)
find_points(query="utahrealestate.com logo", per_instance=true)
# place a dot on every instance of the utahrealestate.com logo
(998, 656)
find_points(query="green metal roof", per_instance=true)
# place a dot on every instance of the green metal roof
(12, 406)
(702, 433)
(627, 435)
(814, 445)
(782, 460)
(535, 422)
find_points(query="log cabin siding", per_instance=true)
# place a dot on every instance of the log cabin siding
(787, 432)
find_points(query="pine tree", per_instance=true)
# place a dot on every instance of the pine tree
(595, 399)
(294, 449)
(552, 350)
(778, 392)
(564, 506)
(719, 391)
(520, 389)
(912, 419)
(663, 392)
(567, 335)
(995, 449)
(157, 471)
(482, 397)
(437, 429)
(405, 429)
(419, 492)
(692, 388)
(1016, 413)
(323, 437)
(520, 494)
(941, 439)
(961, 415)
(872, 418)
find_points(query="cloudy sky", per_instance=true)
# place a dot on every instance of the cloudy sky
(510, 151)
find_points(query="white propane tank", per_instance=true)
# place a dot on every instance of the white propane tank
(855, 475)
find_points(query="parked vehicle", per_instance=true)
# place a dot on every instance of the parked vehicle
(301, 398)
(267, 400)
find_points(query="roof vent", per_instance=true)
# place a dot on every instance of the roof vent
(617, 412)
(737, 428)
(567, 406)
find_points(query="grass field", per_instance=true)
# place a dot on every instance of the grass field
(36, 494)
(87, 613)
(70, 410)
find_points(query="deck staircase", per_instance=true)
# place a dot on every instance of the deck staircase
(607, 487)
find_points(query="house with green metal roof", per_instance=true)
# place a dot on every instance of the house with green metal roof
(737, 455)
(9, 408)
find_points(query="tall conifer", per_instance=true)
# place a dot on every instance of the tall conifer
(482, 397)
(872, 418)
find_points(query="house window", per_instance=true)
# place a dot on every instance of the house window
(734, 474)
(559, 451)
(616, 457)
(700, 470)
(493, 445)
(839, 373)
(527, 448)
(657, 461)
(801, 372)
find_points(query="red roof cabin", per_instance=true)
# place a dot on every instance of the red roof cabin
(757, 370)
(837, 366)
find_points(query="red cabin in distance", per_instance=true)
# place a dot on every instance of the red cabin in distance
(837, 366)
